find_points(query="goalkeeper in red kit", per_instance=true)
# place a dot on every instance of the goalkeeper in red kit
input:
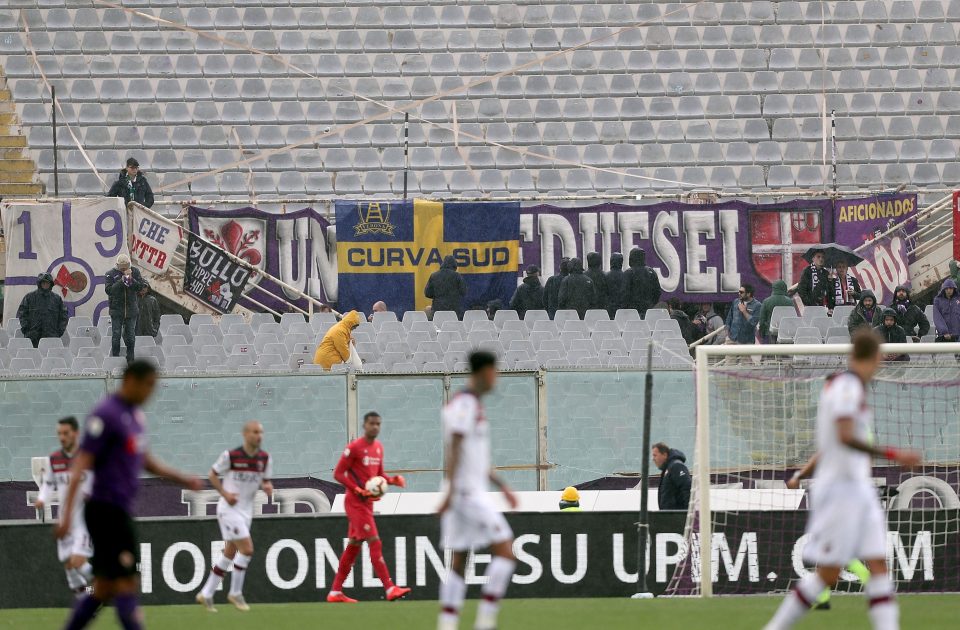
(362, 460)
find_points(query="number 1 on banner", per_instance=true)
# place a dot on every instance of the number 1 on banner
(25, 220)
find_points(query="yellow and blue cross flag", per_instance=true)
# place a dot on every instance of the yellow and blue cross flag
(386, 250)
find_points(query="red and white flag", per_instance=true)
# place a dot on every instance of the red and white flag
(153, 240)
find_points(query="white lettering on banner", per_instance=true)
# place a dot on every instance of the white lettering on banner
(292, 236)
(884, 267)
(746, 552)
(696, 223)
(618, 569)
(199, 567)
(75, 241)
(695, 557)
(556, 559)
(551, 226)
(326, 556)
(939, 489)
(152, 240)
(146, 568)
(796, 559)
(897, 556)
(273, 556)
(632, 224)
(285, 499)
(729, 225)
(311, 275)
(424, 550)
(608, 225)
(314, 273)
(922, 549)
(588, 234)
(526, 234)
(665, 559)
(324, 262)
(536, 567)
(666, 224)
(470, 575)
(400, 558)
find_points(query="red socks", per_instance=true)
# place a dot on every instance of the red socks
(346, 564)
(379, 564)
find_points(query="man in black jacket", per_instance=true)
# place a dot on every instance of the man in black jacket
(132, 185)
(148, 322)
(641, 286)
(891, 332)
(910, 317)
(447, 288)
(577, 291)
(122, 284)
(551, 292)
(815, 284)
(614, 284)
(529, 295)
(599, 280)
(674, 490)
(42, 313)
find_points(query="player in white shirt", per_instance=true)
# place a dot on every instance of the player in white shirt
(469, 519)
(245, 470)
(846, 519)
(74, 549)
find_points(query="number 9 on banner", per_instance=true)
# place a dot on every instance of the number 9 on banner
(76, 242)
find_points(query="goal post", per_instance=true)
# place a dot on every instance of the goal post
(756, 411)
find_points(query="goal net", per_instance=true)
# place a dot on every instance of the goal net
(756, 416)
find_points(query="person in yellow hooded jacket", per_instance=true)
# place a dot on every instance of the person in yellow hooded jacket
(335, 347)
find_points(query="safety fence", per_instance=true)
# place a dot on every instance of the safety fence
(549, 428)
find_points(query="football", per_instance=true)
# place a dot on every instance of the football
(377, 486)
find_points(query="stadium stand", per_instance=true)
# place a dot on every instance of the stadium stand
(389, 345)
(719, 94)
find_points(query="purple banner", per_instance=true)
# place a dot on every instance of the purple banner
(856, 221)
(157, 497)
(700, 252)
(295, 247)
(885, 266)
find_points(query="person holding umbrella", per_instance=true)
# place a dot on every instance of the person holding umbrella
(845, 288)
(814, 281)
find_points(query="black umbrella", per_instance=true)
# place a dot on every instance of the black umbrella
(832, 254)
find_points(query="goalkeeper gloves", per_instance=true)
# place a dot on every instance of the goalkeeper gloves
(363, 493)
(397, 480)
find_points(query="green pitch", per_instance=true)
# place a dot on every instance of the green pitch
(726, 613)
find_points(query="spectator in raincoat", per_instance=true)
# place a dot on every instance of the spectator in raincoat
(335, 347)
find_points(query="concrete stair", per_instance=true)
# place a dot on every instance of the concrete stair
(18, 172)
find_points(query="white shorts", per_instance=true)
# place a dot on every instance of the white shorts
(233, 525)
(75, 543)
(846, 523)
(473, 522)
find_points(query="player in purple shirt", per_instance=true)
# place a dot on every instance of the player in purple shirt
(114, 447)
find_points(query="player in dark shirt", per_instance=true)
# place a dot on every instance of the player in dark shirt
(114, 448)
